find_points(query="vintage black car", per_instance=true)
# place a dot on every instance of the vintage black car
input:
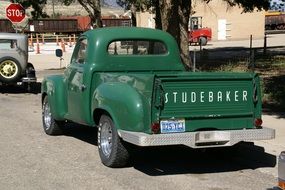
(14, 66)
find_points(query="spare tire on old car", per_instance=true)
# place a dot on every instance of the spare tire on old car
(10, 70)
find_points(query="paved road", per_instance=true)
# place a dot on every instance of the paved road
(32, 160)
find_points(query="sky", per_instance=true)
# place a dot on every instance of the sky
(111, 3)
(278, 5)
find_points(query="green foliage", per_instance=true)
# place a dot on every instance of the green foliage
(249, 5)
(37, 6)
(140, 5)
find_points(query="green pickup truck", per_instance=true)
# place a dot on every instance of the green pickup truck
(130, 83)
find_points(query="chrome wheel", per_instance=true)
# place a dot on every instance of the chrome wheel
(46, 115)
(106, 139)
(8, 69)
(112, 150)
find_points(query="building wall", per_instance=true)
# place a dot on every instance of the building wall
(238, 25)
(145, 19)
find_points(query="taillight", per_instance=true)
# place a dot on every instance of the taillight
(258, 122)
(155, 127)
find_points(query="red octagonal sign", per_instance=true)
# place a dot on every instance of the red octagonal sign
(15, 12)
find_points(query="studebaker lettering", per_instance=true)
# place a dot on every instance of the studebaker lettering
(208, 97)
(130, 83)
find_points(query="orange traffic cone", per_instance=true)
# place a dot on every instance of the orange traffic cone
(38, 46)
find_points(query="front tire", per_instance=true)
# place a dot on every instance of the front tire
(50, 125)
(112, 149)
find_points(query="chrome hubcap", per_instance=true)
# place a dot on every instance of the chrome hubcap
(8, 69)
(47, 116)
(106, 139)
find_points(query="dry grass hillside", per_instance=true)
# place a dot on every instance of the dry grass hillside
(59, 9)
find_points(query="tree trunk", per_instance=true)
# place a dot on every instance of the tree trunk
(158, 24)
(93, 8)
(134, 16)
(174, 18)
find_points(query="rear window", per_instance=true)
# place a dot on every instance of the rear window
(7, 44)
(137, 47)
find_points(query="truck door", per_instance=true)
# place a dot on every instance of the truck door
(77, 96)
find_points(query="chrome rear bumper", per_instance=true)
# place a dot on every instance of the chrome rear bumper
(199, 139)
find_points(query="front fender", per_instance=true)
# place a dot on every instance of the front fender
(129, 109)
(54, 88)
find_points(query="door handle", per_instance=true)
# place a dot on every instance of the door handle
(82, 87)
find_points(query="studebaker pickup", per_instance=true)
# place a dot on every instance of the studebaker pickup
(132, 85)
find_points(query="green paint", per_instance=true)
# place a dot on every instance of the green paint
(137, 90)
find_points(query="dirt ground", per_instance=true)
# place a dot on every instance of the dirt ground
(32, 160)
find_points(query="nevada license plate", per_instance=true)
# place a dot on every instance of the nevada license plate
(172, 126)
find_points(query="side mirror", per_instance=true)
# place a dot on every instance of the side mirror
(58, 53)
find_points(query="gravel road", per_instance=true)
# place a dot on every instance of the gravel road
(29, 159)
(32, 160)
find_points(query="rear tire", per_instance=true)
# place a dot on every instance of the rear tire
(50, 125)
(112, 149)
(10, 70)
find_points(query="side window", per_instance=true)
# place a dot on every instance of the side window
(81, 55)
(137, 47)
(6, 44)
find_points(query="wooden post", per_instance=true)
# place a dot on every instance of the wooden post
(70, 43)
(43, 38)
(38, 45)
(31, 41)
(265, 44)
(57, 43)
(74, 39)
(62, 45)
(250, 51)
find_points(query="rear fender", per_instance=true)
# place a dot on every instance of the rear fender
(54, 88)
(127, 107)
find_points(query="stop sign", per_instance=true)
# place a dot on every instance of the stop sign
(15, 12)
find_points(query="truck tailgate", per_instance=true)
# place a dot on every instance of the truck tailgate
(210, 101)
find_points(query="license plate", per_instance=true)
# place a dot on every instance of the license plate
(172, 126)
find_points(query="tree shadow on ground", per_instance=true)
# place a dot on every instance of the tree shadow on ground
(275, 88)
(157, 161)
(211, 59)
(20, 89)
(238, 59)
(81, 132)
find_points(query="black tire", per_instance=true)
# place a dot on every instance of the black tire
(203, 41)
(30, 71)
(112, 150)
(50, 125)
(10, 70)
